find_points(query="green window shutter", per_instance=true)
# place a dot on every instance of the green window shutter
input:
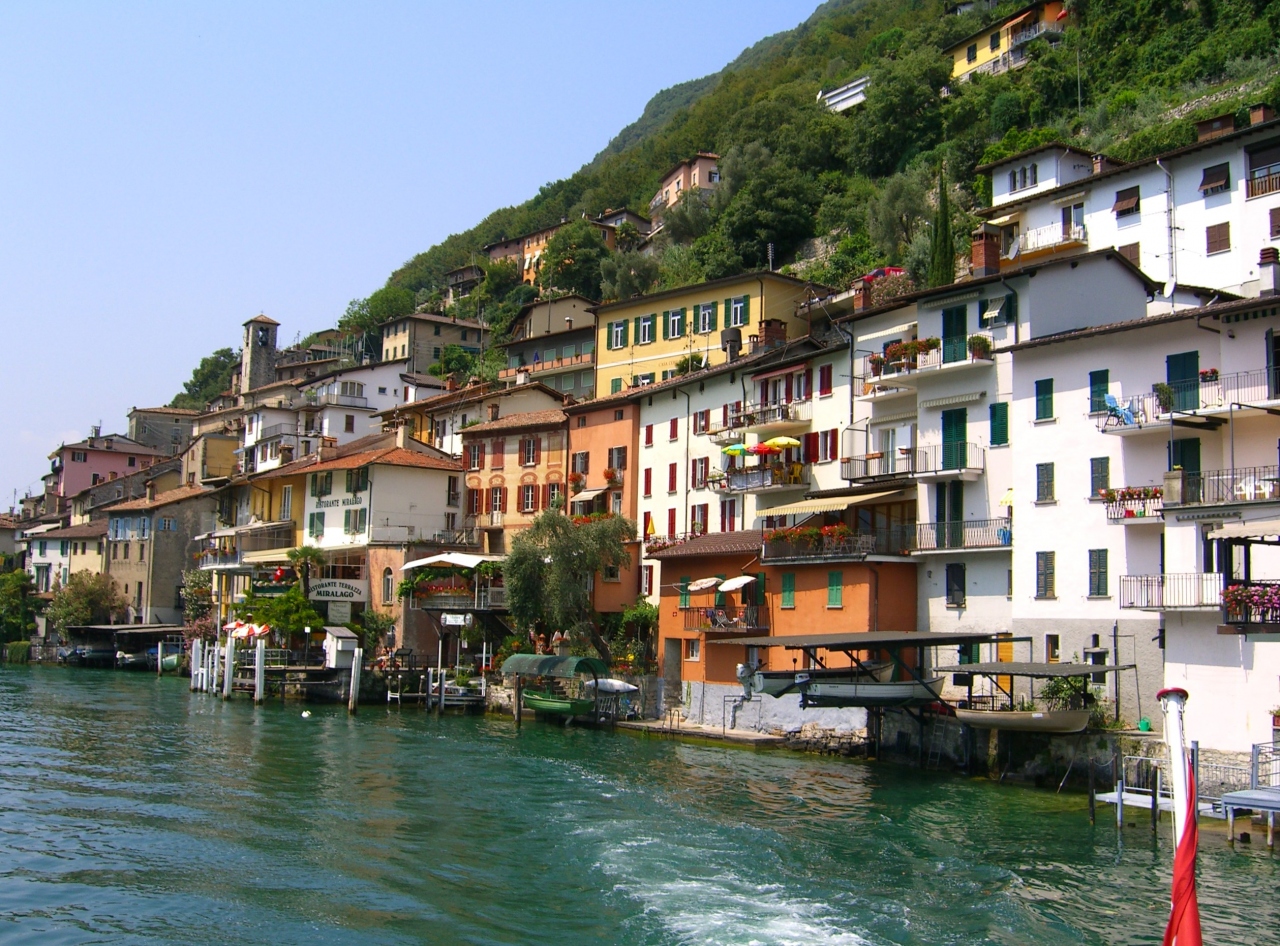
(1097, 573)
(615, 385)
(666, 325)
(1099, 475)
(346, 520)
(835, 589)
(746, 310)
(315, 478)
(999, 423)
(788, 589)
(625, 341)
(351, 479)
(720, 594)
(1044, 399)
(1099, 381)
(362, 522)
(759, 588)
(715, 307)
(728, 313)
(636, 337)
(684, 590)
(1044, 482)
(684, 324)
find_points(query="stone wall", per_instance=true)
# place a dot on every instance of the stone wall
(716, 704)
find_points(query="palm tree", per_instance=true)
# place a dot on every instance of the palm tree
(303, 559)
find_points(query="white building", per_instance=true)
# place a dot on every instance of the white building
(1197, 216)
(48, 560)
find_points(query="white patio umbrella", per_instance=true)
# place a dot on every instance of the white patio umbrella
(733, 584)
(702, 584)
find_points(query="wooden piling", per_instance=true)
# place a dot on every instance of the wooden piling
(229, 670)
(1271, 830)
(1093, 800)
(1155, 805)
(260, 671)
(516, 707)
(1231, 826)
(354, 699)
(160, 658)
(196, 657)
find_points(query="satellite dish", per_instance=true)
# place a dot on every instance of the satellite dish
(1168, 289)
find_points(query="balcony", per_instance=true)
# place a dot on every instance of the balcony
(338, 400)
(1263, 184)
(491, 520)
(491, 598)
(1250, 484)
(964, 534)
(1024, 36)
(1056, 236)
(728, 618)
(724, 436)
(463, 537)
(1254, 606)
(894, 372)
(765, 480)
(585, 360)
(771, 418)
(949, 461)
(1187, 591)
(1211, 392)
(958, 351)
(877, 466)
(267, 538)
(1135, 505)
(219, 558)
(795, 546)
(277, 430)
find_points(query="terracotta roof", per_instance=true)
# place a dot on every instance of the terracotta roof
(165, 410)
(393, 456)
(87, 530)
(9, 522)
(1047, 146)
(119, 444)
(467, 395)
(714, 543)
(162, 499)
(266, 320)
(525, 421)
(436, 317)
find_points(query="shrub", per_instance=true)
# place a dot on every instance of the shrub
(17, 652)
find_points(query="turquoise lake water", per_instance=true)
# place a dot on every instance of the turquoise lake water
(132, 811)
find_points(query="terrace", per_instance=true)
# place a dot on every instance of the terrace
(1211, 393)
(964, 534)
(1185, 591)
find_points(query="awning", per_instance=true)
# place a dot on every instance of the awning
(546, 665)
(266, 557)
(1001, 221)
(777, 372)
(1068, 199)
(866, 640)
(733, 584)
(1007, 498)
(893, 418)
(1257, 529)
(1217, 176)
(223, 534)
(888, 332)
(1018, 19)
(953, 400)
(1126, 200)
(586, 495)
(809, 507)
(458, 559)
(1034, 670)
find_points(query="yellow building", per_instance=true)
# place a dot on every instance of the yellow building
(1003, 46)
(640, 341)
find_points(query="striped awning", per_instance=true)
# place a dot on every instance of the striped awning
(953, 400)
(1259, 528)
(266, 557)
(808, 507)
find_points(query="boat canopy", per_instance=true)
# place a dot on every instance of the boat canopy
(1042, 671)
(549, 665)
(866, 640)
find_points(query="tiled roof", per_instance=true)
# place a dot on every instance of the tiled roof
(162, 499)
(714, 543)
(119, 444)
(8, 522)
(87, 530)
(182, 411)
(393, 456)
(525, 421)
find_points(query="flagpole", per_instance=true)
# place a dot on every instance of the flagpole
(1173, 700)
(1183, 928)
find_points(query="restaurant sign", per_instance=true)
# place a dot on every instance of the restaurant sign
(340, 589)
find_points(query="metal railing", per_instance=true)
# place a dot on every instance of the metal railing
(727, 618)
(1028, 34)
(573, 361)
(900, 462)
(1055, 234)
(1251, 602)
(491, 598)
(958, 350)
(339, 400)
(1172, 592)
(492, 520)
(1213, 392)
(895, 540)
(964, 534)
(267, 538)
(1264, 766)
(746, 481)
(1124, 509)
(277, 430)
(948, 457)
(469, 537)
(761, 415)
(1250, 484)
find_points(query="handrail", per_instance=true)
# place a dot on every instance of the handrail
(964, 534)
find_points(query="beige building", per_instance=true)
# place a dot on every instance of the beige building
(421, 337)
(701, 171)
(168, 429)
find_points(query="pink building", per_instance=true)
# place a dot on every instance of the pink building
(701, 171)
(77, 466)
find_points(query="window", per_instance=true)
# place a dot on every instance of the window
(354, 521)
(736, 312)
(351, 389)
(617, 335)
(1052, 648)
(529, 498)
(674, 323)
(1097, 573)
(1099, 475)
(701, 421)
(580, 462)
(648, 435)
(475, 457)
(828, 445)
(705, 318)
(644, 329)
(971, 54)
(835, 589)
(555, 495)
(1044, 482)
(674, 431)
(693, 649)
(1099, 383)
(999, 423)
(998, 310)
(529, 451)
(699, 468)
(321, 484)
(452, 493)
(358, 480)
(615, 503)
(612, 573)
(698, 519)
(1215, 179)
(1127, 203)
(824, 380)
(435, 330)
(728, 515)
(955, 585)
(1217, 238)
(315, 525)
(1044, 399)
(349, 423)
(498, 498)
(615, 385)
(133, 461)
(788, 589)
(1131, 252)
(1044, 574)
(1275, 222)
(286, 502)
(995, 41)
(683, 585)
(671, 478)
(79, 456)
(618, 458)
(619, 414)
(646, 579)
(648, 481)
(671, 523)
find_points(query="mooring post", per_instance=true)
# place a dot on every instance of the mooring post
(1231, 826)
(354, 699)
(159, 658)
(1271, 830)
(260, 671)
(516, 708)
(195, 665)
(1155, 805)
(229, 671)
(1093, 801)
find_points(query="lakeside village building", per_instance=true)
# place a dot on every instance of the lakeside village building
(1076, 444)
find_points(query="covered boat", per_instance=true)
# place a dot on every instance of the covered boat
(547, 701)
(1053, 721)
(781, 682)
(1063, 705)
(852, 691)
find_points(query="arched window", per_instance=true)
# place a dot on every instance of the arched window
(388, 587)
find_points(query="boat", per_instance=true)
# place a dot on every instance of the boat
(1059, 721)
(553, 704)
(171, 662)
(130, 661)
(781, 682)
(837, 693)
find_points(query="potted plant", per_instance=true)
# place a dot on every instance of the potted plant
(577, 481)
(1208, 374)
(611, 476)
(1164, 395)
(980, 347)
(876, 364)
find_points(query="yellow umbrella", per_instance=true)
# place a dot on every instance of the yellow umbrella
(782, 443)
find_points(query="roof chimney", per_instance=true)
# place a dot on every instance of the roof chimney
(151, 490)
(731, 343)
(450, 384)
(1261, 113)
(1269, 272)
(861, 295)
(986, 251)
(1214, 127)
(773, 332)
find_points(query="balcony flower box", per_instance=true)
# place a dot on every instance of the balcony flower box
(1208, 374)
(1257, 603)
(980, 347)
(577, 481)
(876, 364)
(612, 476)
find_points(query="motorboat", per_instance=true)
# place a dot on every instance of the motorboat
(125, 661)
(781, 682)
(1054, 721)
(553, 704)
(837, 693)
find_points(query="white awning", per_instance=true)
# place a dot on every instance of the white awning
(1001, 221)
(266, 557)
(733, 584)
(886, 333)
(586, 495)
(458, 559)
(1257, 529)
(1068, 199)
(223, 533)
(954, 400)
(893, 418)
(807, 507)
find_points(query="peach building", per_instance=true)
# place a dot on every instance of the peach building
(701, 171)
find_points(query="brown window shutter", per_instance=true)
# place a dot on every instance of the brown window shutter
(808, 383)
(1130, 251)
(1275, 222)
(480, 464)
(488, 500)
(1218, 238)
(546, 496)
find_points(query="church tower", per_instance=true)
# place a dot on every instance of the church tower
(258, 354)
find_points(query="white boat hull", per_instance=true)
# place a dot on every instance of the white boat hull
(1060, 721)
(839, 694)
(781, 682)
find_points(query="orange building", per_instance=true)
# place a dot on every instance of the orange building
(602, 478)
(697, 659)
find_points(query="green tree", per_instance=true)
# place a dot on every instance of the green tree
(455, 362)
(689, 217)
(305, 559)
(210, 378)
(687, 364)
(626, 237)
(942, 250)
(18, 606)
(678, 266)
(899, 211)
(373, 628)
(549, 567)
(641, 621)
(86, 598)
(287, 615)
(902, 116)
(777, 207)
(571, 260)
(623, 275)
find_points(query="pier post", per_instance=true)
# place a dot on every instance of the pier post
(260, 671)
(1271, 830)
(354, 698)
(159, 658)
(1093, 801)
(1155, 805)
(196, 656)
(516, 708)
(229, 670)
(1231, 826)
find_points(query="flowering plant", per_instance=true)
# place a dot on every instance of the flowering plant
(1208, 374)
(610, 475)
(837, 531)
(1249, 600)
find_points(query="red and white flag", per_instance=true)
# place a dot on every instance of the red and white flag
(1184, 919)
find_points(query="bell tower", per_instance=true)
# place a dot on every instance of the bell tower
(258, 353)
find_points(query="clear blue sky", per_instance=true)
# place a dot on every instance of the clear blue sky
(170, 170)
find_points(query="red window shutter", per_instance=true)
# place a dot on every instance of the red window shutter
(671, 477)
(790, 381)
(471, 501)
(833, 443)
(724, 418)
(810, 448)
(824, 379)
(675, 428)
(671, 523)
(488, 500)
(648, 435)
(648, 482)
(503, 497)
(722, 528)
(546, 496)
(537, 450)
(764, 392)
(480, 464)
(808, 383)
(648, 518)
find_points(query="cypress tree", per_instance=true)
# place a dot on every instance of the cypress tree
(942, 254)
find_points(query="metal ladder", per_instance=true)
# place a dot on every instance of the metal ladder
(937, 740)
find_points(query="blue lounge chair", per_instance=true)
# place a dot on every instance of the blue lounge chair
(1122, 414)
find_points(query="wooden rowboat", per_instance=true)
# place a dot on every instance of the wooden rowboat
(1059, 721)
(555, 705)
